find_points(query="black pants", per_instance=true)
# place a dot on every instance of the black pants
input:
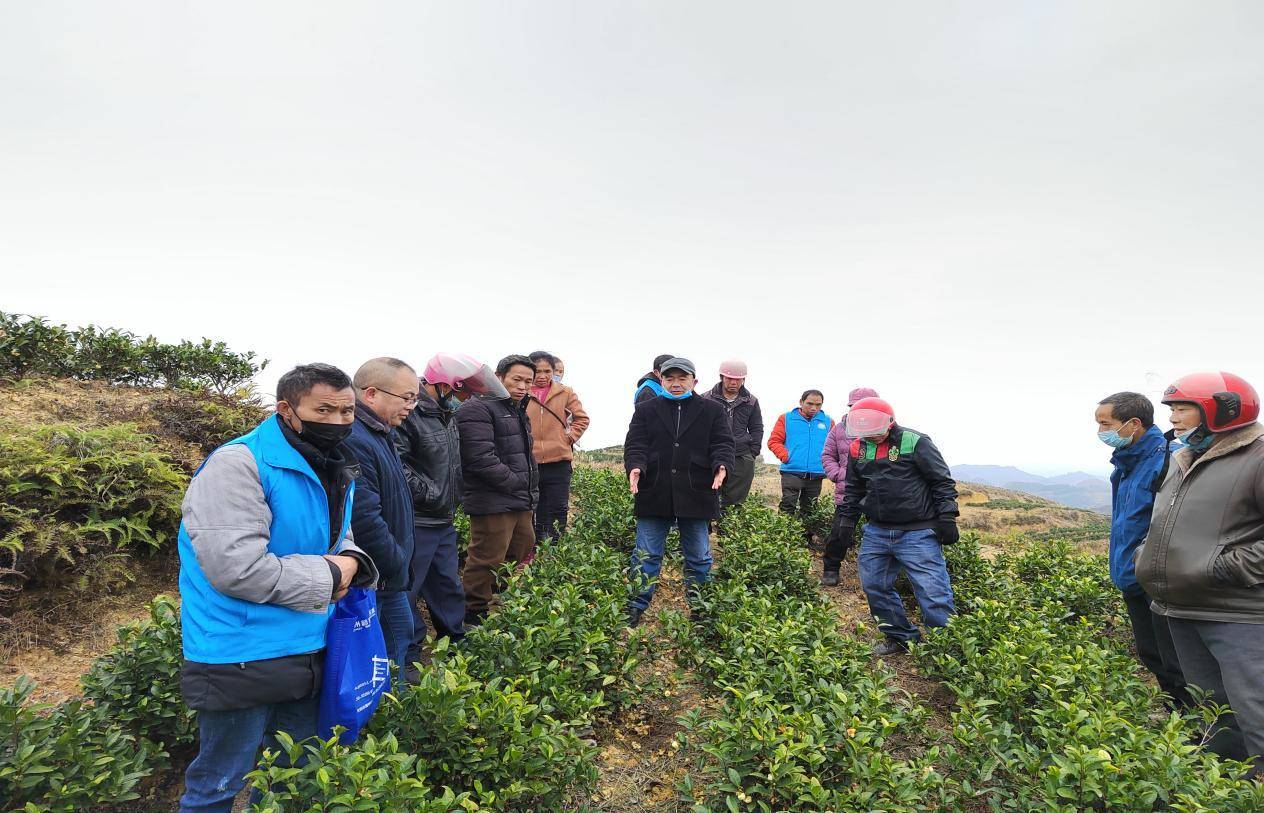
(1153, 637)
(842, 538)
(555, 499)
(798, 492)
(1224, 658)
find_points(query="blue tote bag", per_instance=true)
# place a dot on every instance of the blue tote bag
(357, 671)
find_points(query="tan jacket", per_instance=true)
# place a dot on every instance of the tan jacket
(557, 424)
(1204, 556)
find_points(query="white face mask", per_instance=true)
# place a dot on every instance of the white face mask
(1184, 433)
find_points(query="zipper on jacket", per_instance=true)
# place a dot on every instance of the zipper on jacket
(678, 407)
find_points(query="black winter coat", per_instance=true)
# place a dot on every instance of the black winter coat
(497, 464)
(745, 419)
(906, 493)
(430, 448)
(678, 446)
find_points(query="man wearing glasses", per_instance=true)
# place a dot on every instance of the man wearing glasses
(382, 515)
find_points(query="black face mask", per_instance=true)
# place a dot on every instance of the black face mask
(324, 436)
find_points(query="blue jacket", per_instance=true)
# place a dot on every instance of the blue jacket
(1132, 485)
(382, 519)
(253, 585)
(805, 442)
(648, 387)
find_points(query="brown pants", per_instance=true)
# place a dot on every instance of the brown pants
(494, 539)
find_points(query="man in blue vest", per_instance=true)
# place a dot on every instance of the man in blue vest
(798, 439)
(265, 550)
(1125, 422)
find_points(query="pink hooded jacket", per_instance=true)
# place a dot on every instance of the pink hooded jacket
(838, 444)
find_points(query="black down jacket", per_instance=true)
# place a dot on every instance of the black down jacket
(430, 448)
(498, 467)
(897, 490)
(678, 446)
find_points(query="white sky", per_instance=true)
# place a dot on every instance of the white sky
(995, 213)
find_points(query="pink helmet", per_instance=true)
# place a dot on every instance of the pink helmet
(733, 368)
(464, 374)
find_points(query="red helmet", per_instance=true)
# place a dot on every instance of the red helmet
(869, 418)
(1225, 400)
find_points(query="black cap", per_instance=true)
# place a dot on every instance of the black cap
(679, 364)
(659, 361)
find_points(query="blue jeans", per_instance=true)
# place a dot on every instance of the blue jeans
(883, 552)
(396, 615)
(647, 557)
(436, 580)
(228, 749)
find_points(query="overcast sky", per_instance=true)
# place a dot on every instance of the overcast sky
(994, 213)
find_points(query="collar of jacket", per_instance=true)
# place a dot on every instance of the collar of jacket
(1225, 444)
(432, 408)
(279, 452)
(743, 394)
(370, 419)
(1127, 457)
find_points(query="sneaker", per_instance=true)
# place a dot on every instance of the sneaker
(829, 578)
(634, 616)
(891, 646)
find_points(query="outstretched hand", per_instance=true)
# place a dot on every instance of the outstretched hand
(634, 480)
(719, 479)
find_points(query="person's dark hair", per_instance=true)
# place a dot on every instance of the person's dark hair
(806, 393)
(502, 367)
(659, 361)
(299, 381)
(540, 355)
(1124, 406)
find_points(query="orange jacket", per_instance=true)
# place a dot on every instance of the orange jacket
(557, 424)
(777, 440)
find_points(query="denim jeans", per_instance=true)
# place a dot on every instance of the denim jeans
(228, 749)
(396, 616)
(651, 537)
(883, 552)
(436, 580)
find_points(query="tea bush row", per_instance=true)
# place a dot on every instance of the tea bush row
(1052, 713)
(31, 346)
(807, 721)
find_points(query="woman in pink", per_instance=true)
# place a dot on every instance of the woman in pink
(834, 456)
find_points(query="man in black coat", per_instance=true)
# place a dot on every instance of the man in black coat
(677, 453)
(900, 482)
(501, 482)
(430, 448)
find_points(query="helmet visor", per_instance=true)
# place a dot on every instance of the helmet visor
(482, 381)
(867, 423)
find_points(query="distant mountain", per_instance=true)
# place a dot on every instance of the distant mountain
(1077, 489)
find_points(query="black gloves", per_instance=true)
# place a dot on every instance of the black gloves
(946, 530)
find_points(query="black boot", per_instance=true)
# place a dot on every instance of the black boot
(829, 578)
(634, 616)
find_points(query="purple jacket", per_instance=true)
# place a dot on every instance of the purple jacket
(834, 459)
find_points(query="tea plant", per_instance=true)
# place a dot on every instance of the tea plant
(65, 758)
(137, 684)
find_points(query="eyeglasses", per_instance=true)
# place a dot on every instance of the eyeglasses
(410, 398)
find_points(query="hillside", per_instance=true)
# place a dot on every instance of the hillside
(1077, 489)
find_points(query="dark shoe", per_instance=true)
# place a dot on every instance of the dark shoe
(891, 646)
(829, 578)
(697, 615)
(473, 620)
(634, 617)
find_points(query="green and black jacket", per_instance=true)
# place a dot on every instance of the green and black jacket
(901, 483)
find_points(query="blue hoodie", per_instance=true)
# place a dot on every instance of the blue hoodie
(1132, 488)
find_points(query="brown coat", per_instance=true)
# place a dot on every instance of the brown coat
(557, 424)
(1204, 556)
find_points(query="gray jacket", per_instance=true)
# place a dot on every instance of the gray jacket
(227, 518)
(1204, 556)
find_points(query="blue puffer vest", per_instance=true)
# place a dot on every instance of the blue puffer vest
(222, 629)
(805, 440)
